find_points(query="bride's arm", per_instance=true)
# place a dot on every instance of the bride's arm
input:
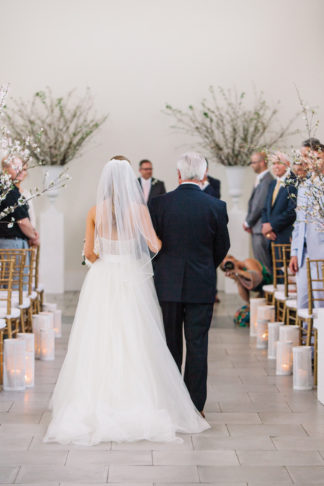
(154, 243)
(89, 236)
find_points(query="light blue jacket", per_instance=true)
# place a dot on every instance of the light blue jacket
(306, 233)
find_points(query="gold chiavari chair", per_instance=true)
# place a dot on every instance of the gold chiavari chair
(6, 270)
(37, 286)
(315, 291)
(278, 276)
(17, 297)
(282, 297)
(9, 315)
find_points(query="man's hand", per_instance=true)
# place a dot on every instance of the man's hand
(293, 264)
(271, 236)
(266, 228)
(246, 228)
(35, 240)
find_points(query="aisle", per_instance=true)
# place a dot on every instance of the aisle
(262, 432)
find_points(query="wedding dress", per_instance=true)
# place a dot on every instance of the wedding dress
(119, 381)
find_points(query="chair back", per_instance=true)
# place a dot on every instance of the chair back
(315, 282)
(6, 274)
(286, 258)
(278, 262)
(19, 258)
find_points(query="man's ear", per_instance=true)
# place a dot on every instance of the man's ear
(179, 176)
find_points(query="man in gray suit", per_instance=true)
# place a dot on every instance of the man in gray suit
(307, 237)
(257, 200)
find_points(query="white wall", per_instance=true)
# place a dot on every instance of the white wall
(138, 54)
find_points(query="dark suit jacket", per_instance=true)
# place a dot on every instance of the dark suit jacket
(211, 191)
(157, 188)
(257, 202)
(215, 183)
(193, 228)
(282, 214)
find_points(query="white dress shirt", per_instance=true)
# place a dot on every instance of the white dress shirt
(146, 186)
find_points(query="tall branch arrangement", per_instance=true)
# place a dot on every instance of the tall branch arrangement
(24, 147)
(227, 129)
(61, 125)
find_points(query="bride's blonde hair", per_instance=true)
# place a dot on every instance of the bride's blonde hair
(120, 157)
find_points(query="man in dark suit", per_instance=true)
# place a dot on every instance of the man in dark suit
(213, 187)
(193, 229)
(278, 214)
(151, 187)
(257, 200)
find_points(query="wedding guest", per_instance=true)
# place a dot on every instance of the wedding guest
(307, 237)
(19, 232)
(249, 275)
(213, 184)
(253, 224)
(300, 167)
(151, 187)
(278, 214)
(207, 188)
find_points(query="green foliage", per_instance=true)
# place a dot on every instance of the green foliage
(61, 126)
(227, 129)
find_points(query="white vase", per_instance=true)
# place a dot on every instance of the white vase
(235, 178)
(51, 173)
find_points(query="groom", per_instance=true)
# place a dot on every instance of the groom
(193, 228)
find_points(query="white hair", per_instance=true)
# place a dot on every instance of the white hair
(280, 157)
(192, 166)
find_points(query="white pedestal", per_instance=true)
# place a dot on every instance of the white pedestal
(239, 242)
(319, 324)
(51, 223)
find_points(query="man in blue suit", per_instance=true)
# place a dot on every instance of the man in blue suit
(278, 214)
(193, 228)
(307, 238)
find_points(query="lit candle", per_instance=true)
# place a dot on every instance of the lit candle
(254, 304)
(302, 365)
(262, 334)
(29, 339)
(284, 358)
(273, 336)
(14, 364)
(47, 344)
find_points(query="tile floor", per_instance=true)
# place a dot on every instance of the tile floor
(263, 433)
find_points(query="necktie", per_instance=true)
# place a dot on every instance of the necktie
(275, 191)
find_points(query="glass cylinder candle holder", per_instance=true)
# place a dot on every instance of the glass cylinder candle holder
(14, 364)
(47, 344)
(262, 334)
(29, 339)
(43, 320)
(58, 323)
(302, 368)
(284, 358)
(254, 304)
(266, 313)
(290, 333)
(273, 337)
(49, 307)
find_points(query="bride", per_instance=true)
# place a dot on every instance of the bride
(119, 381)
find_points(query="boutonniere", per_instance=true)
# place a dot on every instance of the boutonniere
(154, 181)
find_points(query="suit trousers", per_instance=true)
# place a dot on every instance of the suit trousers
(195, 319)
(261, 252)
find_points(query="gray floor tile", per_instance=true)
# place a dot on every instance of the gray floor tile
(81, 474)
(223, 475)
(126, 458)
(8, 474)
(165, 474)
(280, 458)
(274, 430)
(233, 418)
(195, 458)
(307, 475)
(17, 458)
(299, 444)
(232, 443)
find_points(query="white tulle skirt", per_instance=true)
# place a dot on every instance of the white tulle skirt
(119, 381)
